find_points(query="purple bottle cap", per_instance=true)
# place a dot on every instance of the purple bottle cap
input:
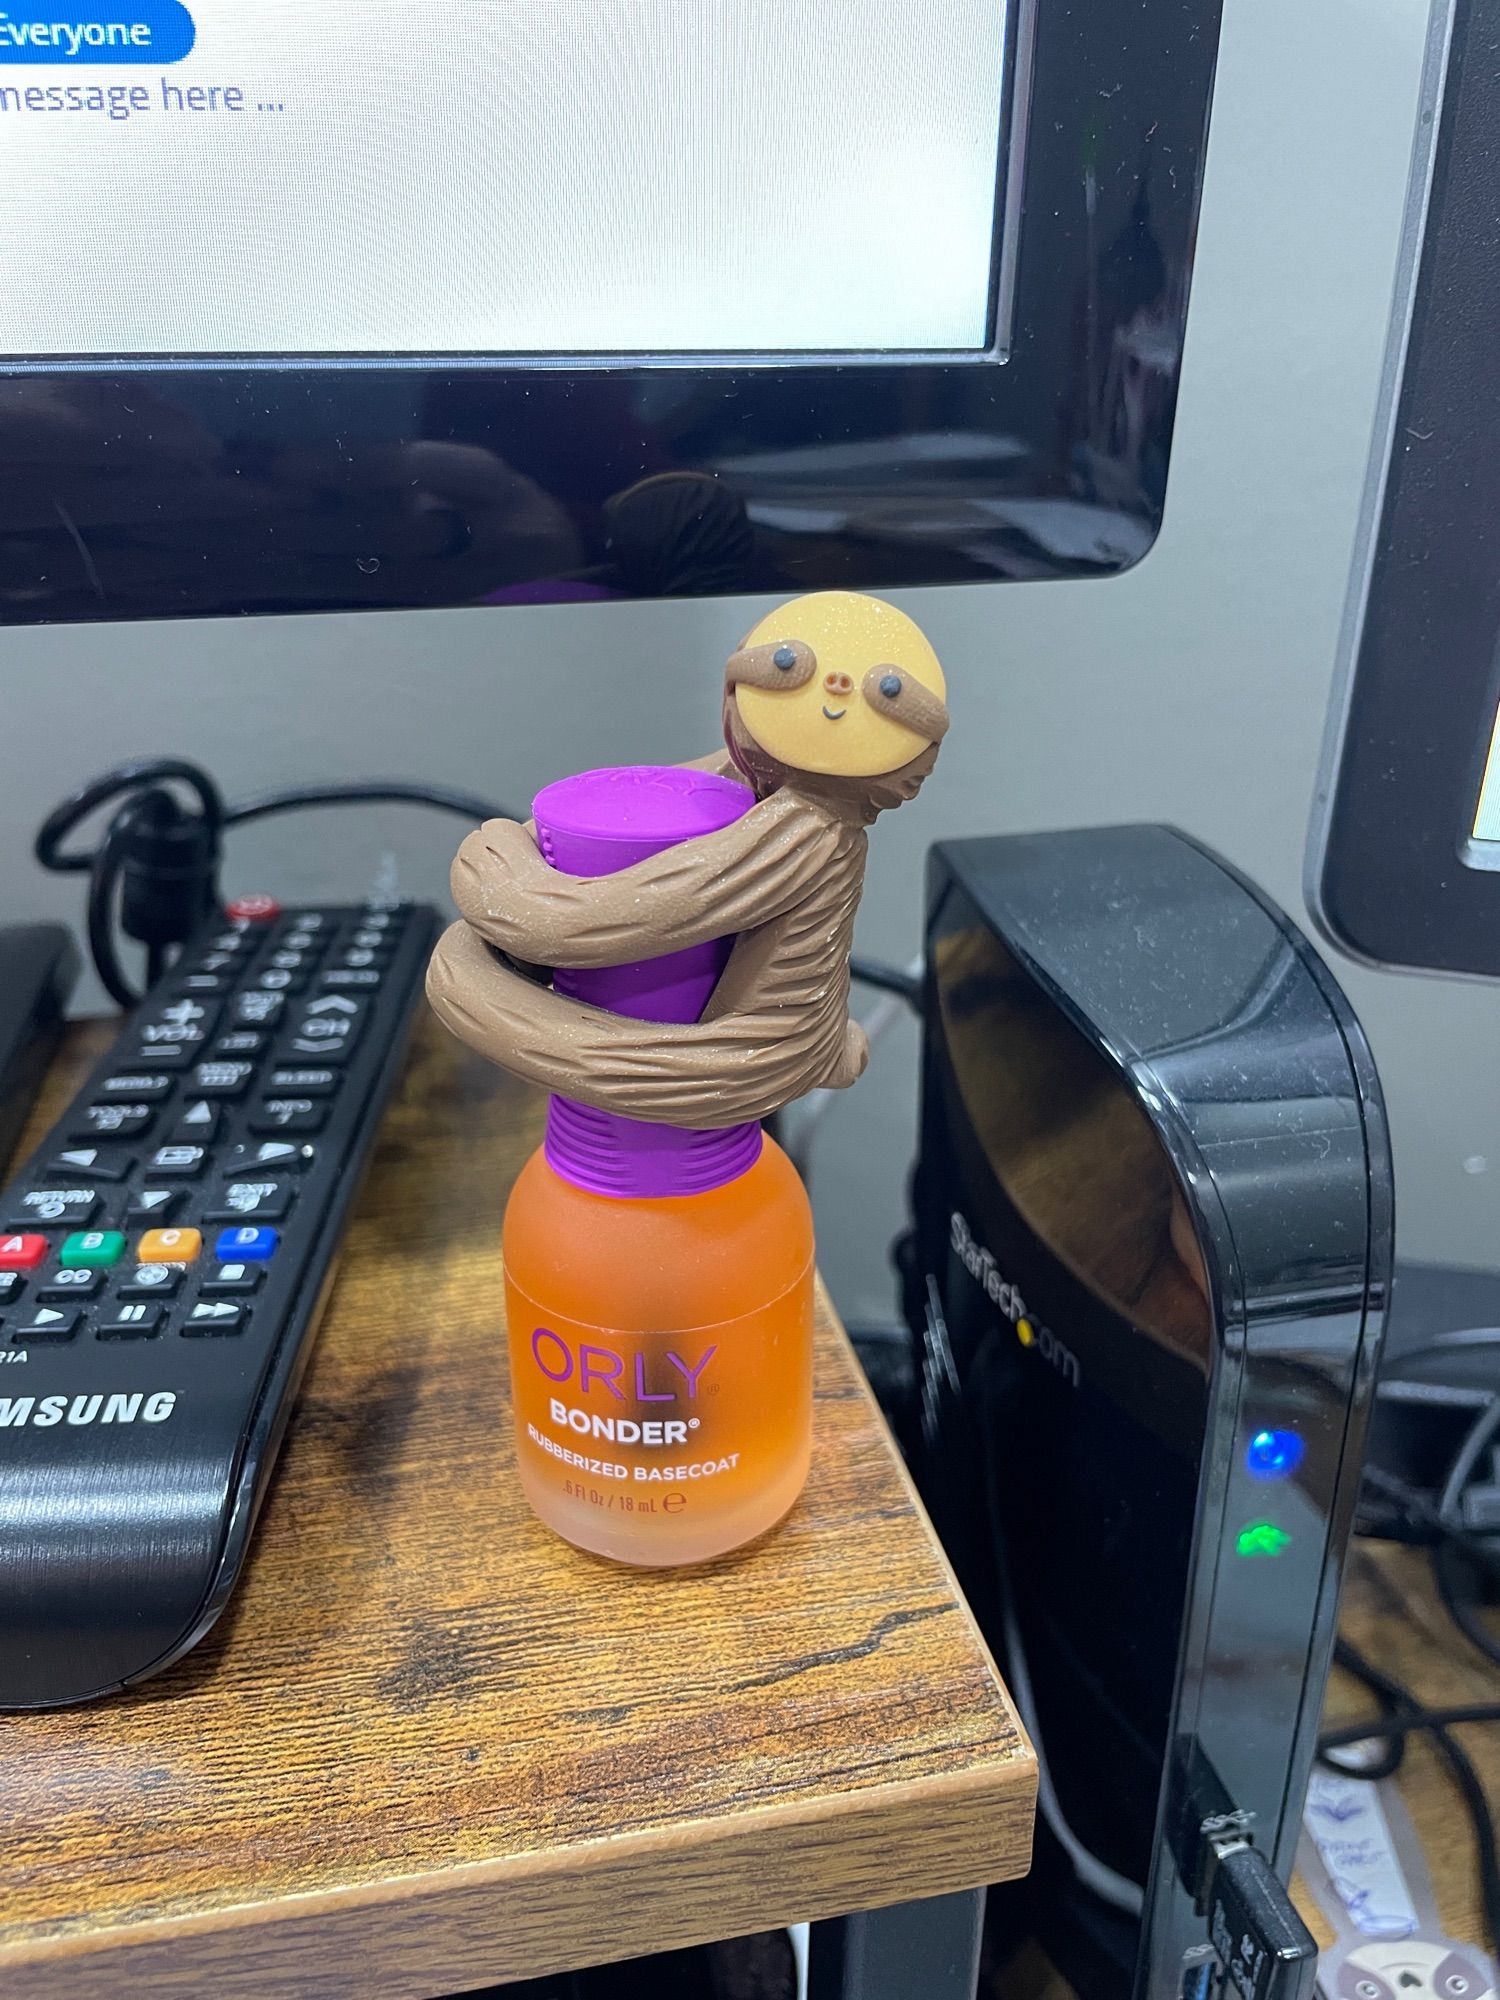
(594, 824)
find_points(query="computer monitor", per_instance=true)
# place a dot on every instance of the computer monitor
(1405, 857)
(376, 304)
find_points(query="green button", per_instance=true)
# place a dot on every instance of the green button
(92, 1249)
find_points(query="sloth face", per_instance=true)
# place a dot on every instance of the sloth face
(839, 684)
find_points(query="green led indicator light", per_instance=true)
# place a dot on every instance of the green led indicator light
(1261, 1538)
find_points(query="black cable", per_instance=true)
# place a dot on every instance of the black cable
(61, 821)
(1448, 1573)
(1407, 1722)
(154, 873)
(1457, 1548)
(888, 979)
(1394, 1701)
(1477, 1805)
(1402, 1715)
(1481, 1547)
(394, 793)
(1450, 1565)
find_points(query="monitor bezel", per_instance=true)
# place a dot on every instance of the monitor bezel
(1105, 123)
(1396, 878)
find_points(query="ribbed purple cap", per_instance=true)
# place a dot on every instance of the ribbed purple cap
(594, 824)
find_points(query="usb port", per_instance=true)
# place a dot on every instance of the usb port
(1198, 1980)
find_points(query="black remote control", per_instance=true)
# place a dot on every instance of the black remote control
(163, 1258)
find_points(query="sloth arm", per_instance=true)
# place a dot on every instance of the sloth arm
(733, 880)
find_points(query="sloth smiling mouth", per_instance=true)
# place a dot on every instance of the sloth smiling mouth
(835, 714)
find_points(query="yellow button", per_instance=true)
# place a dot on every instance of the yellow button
(169, 1246)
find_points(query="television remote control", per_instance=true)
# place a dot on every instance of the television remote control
(164, 1255)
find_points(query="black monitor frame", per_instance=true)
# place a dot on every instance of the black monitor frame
(1395, 876)
(182, 488)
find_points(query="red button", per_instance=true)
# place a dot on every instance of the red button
(253, 910)
(21, 1253)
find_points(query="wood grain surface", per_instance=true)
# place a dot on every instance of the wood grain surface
(1394, 1616)
(431, 1747)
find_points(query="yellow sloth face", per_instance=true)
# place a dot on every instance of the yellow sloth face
(840, 684)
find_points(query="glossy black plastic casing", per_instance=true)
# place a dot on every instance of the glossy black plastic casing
(1127, 974)
(175, 488)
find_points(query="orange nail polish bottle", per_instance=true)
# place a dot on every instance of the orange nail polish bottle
(659, 1281)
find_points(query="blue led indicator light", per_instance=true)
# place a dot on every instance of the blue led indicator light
(1274, 1454)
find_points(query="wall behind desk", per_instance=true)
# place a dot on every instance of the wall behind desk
(1192, 690)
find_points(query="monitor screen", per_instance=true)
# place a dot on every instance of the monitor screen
(1487, 813)
(203, 178)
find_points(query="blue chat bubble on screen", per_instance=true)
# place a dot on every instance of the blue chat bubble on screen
(66, 34)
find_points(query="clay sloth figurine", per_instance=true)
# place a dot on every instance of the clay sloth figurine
(833, 713)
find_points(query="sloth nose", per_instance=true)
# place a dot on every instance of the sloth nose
(838, 683)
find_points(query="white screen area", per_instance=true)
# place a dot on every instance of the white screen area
(1487, 817)
(497, 176)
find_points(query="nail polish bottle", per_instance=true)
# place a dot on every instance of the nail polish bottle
(658, 1280)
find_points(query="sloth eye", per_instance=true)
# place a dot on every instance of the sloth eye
(890, 687)
(784, 657)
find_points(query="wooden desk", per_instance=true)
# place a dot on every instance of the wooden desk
(431, 1747)
(1393, 1615)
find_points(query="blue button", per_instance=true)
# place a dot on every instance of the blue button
(246, 1245)
(143, 31)
(1274, 1454)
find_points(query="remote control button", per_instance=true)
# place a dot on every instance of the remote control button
(154, 1204)
(198, 984)
(151, 1281)
(169, 1246)
(46, 1324)
(93, 1249)
(136, 1322)
(147, 1087)
(223, 1079)
(243, 1042)
(12, 1284)
(304, 1082)
(265, 1200)
(71, 1205)
(247, 1244)
(182, 1162)
(213, 1317)
(168, 1055)
(197, 1124)
(100, 1163)
(253, 910)
(75, 1281)
(258, 1010)
(329, 1028)
(349, 975)
(113, 1121)
(190, 1015)
(232, 944)
(234, 1278)
(167, 1034)
(288, 1114)
(336, 1008)
(216, 961)
(292, 1156)
(22, 1253)
(278, 980)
